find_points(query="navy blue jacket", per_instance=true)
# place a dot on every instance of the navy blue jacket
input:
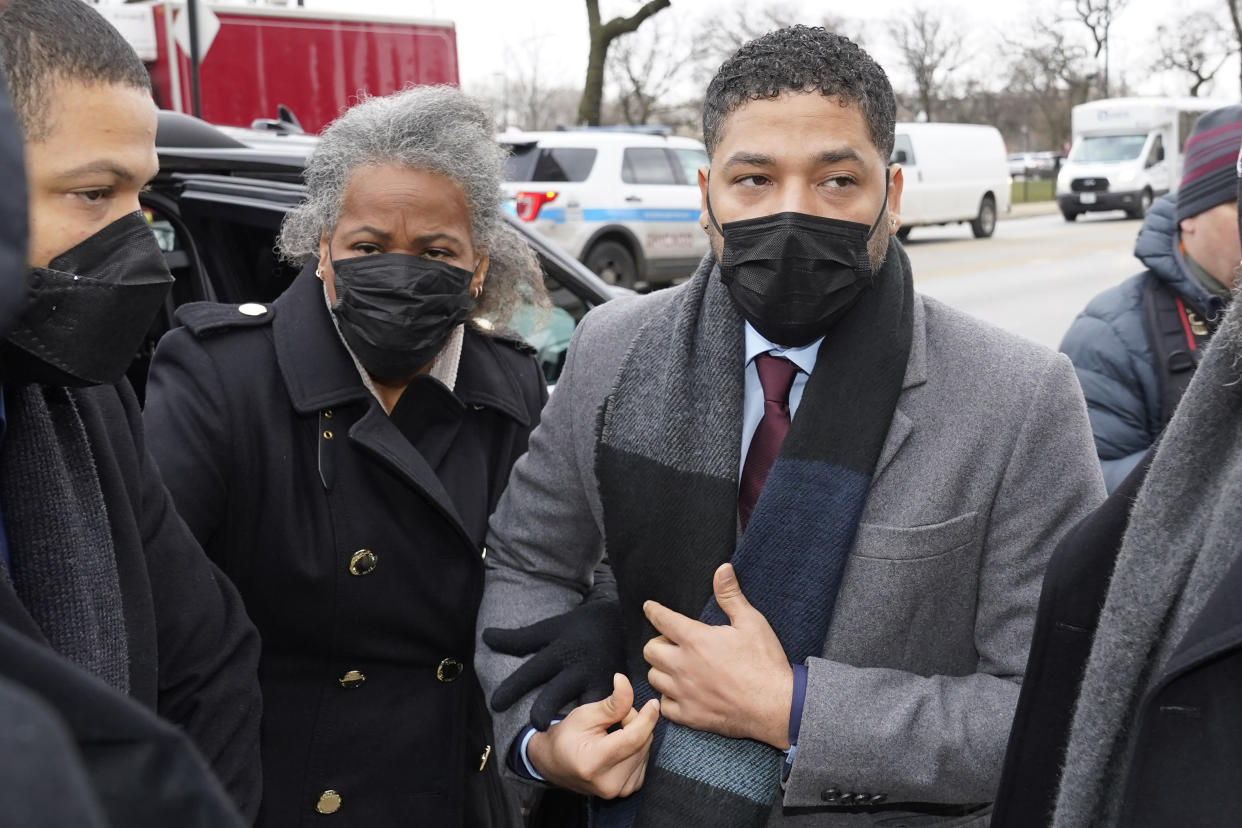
(1112, 355)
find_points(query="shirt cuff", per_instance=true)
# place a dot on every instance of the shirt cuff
(519, 761)
(795, 717)
(799, 701)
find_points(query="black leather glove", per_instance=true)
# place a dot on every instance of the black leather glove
(576, 655)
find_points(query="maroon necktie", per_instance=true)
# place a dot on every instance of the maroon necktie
(776, 376)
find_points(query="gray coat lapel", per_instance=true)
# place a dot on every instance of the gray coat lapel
(916, 374)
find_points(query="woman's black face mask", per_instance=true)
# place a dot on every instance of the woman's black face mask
(397, 311)
(793, 275)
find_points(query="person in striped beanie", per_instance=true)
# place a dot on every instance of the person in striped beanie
(1135, 346)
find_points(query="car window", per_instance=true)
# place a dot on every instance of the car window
(530, 162)
(1157, 149)
(690, 161)
(549, 332)
(648, 165)
(902, 144)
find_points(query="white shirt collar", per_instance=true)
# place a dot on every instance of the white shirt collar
(804, 357)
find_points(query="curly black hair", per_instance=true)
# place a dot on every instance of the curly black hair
(802, 59)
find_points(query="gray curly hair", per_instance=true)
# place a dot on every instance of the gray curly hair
(434, 128)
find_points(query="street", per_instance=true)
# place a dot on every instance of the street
(1033, 276)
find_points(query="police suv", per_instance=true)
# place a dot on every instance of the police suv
(625, 203)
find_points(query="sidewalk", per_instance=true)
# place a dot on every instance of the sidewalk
(1031, 208)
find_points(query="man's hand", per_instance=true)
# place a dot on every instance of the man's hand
(734, 680)
(580, 754)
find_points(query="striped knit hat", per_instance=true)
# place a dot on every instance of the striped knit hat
(1208, 174)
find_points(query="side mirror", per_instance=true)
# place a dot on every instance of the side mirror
(900, 157)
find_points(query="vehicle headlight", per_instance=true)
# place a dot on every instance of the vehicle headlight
(1125, 176)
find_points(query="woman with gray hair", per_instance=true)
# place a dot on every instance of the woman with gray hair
(339, 451)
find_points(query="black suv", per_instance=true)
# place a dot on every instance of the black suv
(216, 208)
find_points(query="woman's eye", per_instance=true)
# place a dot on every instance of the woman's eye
(367, 249)
(437, 253)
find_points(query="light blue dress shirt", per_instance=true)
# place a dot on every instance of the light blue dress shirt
(752, 397)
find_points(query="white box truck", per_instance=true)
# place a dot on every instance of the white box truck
(1126, 153)
(953, 173)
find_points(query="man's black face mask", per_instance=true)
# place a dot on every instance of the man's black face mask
(14, 229)
(90, 308)
(793, 275)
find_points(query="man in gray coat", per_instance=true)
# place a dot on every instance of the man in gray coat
(828, 501)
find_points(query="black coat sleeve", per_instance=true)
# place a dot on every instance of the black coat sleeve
(208, 649)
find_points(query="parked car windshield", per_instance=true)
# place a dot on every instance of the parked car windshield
(1106, 148)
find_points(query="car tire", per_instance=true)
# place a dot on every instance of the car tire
(1070, 215)
(903, 233)
(1144, 205)
(984, 224)
(613, 262)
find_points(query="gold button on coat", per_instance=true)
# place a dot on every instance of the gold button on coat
(329, 802)
(352, 679)
(449, 670)
(363, 562)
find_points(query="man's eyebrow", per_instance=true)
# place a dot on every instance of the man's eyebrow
(124, 174)
(750, 159)
(755, 159)
(837, 156)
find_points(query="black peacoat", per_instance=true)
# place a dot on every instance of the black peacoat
(193, 653)
(356, 540)
(1187, 728)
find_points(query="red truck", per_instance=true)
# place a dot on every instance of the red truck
(256, 58)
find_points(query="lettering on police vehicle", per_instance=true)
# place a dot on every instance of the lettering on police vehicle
(665, 241)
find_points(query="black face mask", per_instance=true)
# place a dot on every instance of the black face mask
(13, 227)
(90, 308)
(396, 311)
(793, 275)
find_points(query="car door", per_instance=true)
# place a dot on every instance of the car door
(662, 206)
(914, 196)
(1158, 173)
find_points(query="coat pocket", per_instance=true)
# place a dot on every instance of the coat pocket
(914, 543)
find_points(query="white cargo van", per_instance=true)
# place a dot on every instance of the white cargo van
(953, 173)
(1127, 152)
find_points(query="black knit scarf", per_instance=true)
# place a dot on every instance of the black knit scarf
(667, 461)
(60, 540)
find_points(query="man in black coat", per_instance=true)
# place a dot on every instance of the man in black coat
(104, 593)
(1129, 712)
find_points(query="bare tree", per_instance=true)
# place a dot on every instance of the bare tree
(931, 48)
(725, 31)
(1236, 18)
(1098, 16)
(648, 65)
(522, 97)
(1196, 44)
(602, 36)
(1053, 74)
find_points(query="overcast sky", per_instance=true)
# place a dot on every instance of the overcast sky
(487, 30)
